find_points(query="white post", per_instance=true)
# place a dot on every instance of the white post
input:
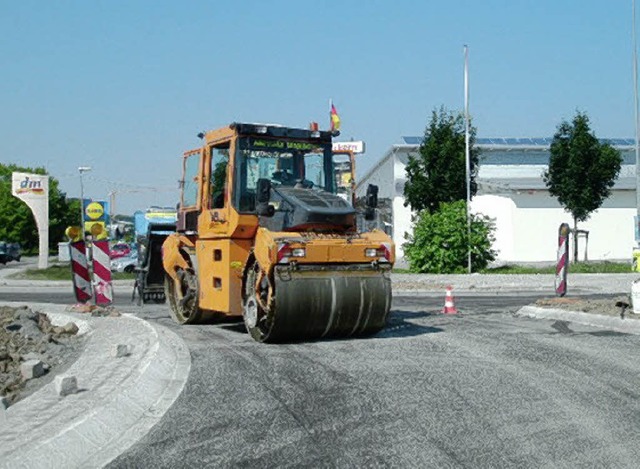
(82, 169)
(635, 109)
(467, 157)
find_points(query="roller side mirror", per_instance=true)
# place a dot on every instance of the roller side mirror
(263, 194)
(371, 202)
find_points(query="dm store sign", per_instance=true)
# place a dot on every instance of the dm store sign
(33, 190)
(25, 185)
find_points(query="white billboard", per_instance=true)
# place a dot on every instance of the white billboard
(355, 147)
(33, 189)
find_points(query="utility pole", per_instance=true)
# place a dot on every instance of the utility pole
(82, 169)
(467, 157)
(635, 109)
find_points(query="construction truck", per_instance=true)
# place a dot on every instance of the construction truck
(262, 234)
(152, 227)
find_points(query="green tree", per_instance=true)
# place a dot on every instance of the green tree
(438, 243)
(581, 170)
(437, 173)
(16, 220)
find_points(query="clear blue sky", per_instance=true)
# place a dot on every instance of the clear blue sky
(125, 87)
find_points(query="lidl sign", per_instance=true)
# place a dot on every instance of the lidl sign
(94, 211)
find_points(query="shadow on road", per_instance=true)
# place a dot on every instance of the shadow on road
(399, 324)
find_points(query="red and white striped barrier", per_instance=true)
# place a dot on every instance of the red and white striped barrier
(80, 271)
(563, 260)
(102, 273)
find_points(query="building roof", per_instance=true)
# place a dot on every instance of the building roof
(495, 185)
(516, 172)
(522, 143)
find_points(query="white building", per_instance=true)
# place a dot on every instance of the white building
(511, 191)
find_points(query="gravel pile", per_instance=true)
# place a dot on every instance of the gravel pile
(619, 305)
(28, 340)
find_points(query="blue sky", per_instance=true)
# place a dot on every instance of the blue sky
(125, 87)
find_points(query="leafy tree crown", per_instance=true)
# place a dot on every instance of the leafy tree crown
(582, 170)
(437, 172)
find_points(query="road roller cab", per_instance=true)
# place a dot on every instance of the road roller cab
(264, 234)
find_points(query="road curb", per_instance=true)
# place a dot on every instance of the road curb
(121, 398)
(629, 326)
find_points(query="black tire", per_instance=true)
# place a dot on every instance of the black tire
(258, 322)
(129, 269)
(183, 302)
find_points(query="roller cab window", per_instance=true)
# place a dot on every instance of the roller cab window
(284, 163)
(218, 181)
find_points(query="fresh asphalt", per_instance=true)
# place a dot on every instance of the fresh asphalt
(481, 389)
(484, 388)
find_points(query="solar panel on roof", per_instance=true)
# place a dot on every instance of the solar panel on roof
(511, 141)
(412, 140)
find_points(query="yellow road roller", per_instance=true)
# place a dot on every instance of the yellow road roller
(263, 234)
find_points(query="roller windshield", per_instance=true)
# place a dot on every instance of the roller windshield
(285, 163)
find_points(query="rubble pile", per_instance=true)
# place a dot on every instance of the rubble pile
(30, 346)
(615, 305)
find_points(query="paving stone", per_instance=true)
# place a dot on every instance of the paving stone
(31, 356)
(32, 369)
(70, 328)
(120, 350)
(4, 404)
(66, 384)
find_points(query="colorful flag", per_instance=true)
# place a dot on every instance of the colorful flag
(335, 119)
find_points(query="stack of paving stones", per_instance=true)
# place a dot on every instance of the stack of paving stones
(29, 347)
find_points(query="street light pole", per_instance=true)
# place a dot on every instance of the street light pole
(82, 169)
(635, 109)
(467, 157)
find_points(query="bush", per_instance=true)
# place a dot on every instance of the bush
(438, 244)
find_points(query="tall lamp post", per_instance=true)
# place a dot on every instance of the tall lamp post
(82, 169)
(467, 157)
(637, 124)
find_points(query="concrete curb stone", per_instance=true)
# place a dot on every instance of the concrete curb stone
(118, 402)
(629, 326)
(578, 284)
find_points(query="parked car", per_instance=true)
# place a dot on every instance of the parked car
(120, 250)
(125, 263)
(9, 252)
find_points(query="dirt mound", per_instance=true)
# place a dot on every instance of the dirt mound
(619, 305)
(27, 335)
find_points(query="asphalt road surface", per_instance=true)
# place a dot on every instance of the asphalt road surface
(55, 295)
(481, 389)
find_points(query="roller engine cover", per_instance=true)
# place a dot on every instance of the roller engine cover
(298, 208)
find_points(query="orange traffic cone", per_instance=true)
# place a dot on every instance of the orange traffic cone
(449, 307)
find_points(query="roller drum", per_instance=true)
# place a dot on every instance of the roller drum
(329, 302)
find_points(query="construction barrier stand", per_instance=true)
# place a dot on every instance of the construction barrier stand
(80, 271)
(562, 265)
(103, 289)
